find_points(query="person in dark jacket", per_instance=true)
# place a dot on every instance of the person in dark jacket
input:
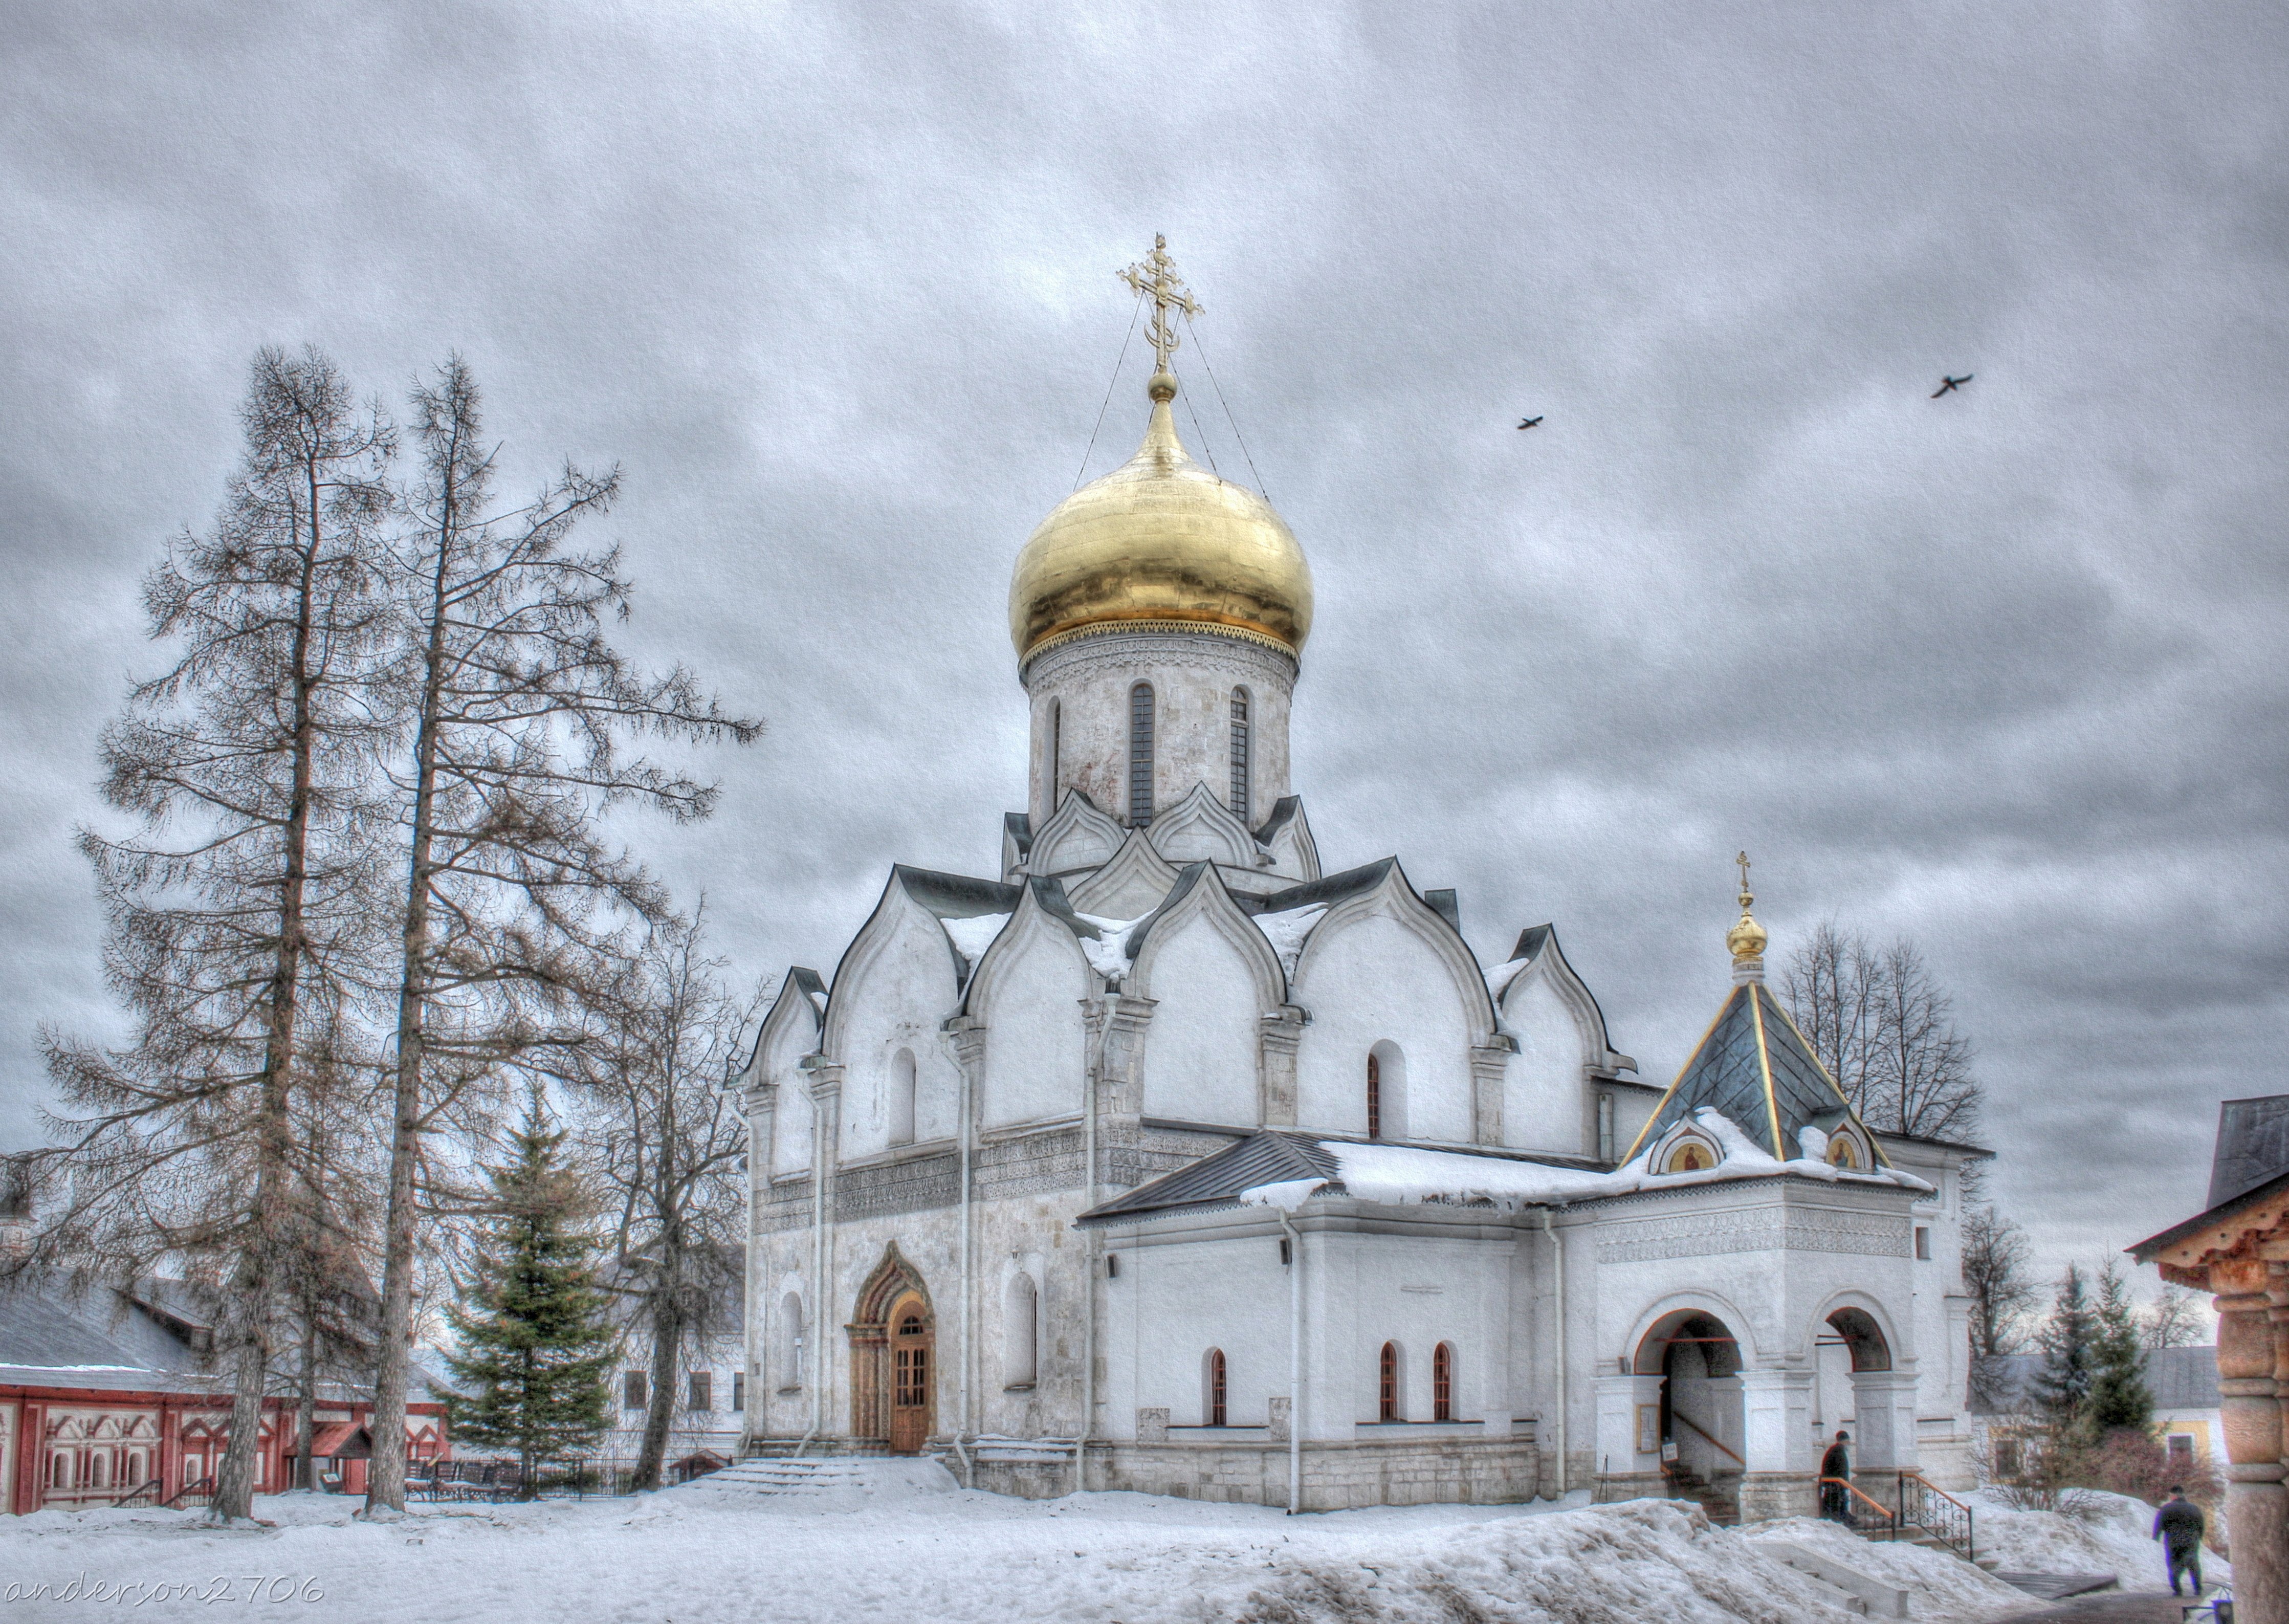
(2178, 1525)
(1835, 1498)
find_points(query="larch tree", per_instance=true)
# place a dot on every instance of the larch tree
(239, 921)
(517, 709)
(534, 1329)
(666, 1139)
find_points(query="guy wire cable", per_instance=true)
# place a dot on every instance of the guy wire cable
(1206, 449)
(1234, 422)
(1110, 386)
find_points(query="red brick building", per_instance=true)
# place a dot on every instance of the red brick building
(103, 1397)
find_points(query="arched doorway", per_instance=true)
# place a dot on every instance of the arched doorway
(914, 1370)
(1703, 1436)
(894, 1358)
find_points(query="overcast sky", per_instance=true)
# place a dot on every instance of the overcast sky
(834, 285)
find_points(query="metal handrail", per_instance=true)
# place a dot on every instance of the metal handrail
(1677, 1415)
(204, 1485)
(1943, 1527)
(139, 1492)
(1884, 1512)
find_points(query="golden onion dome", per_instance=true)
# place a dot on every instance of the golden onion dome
(1160, 538)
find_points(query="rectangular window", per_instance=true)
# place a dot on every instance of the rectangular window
(634, 1393)
(740, 1391)
(2182, 1450)
(702, 1396)
(1922, 1243)
(2007, 1459)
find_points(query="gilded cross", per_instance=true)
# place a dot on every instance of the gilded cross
(1156, 275)
(1745, 897)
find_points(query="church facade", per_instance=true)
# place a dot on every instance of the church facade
(1161, 1157)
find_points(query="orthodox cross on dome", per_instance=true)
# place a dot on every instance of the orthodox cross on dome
(1747, 939)
(1155, 274)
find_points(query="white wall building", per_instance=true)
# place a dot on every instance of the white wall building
(1164, 1160)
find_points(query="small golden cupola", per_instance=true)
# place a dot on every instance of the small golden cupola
(1746, 939)
(1161, 541)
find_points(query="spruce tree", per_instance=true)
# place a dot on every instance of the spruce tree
(536, 1344)
(2062, 1386)
(2119, 1399)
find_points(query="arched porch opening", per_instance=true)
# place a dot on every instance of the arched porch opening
(1860, 1388)
(894, 1357)
(1699, 1422)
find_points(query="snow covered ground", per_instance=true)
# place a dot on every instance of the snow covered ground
(2113, 1534)
(713, 1552)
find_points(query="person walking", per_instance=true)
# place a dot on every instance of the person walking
(1835, 1497)
(2180, 1526)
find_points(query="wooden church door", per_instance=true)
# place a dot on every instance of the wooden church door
(913, 1344)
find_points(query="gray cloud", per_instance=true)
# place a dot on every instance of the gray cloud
(1999, 672)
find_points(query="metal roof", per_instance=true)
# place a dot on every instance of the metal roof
(1756, 1068)
(1264, 1157)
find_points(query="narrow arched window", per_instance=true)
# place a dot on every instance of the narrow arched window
(1140, 754)
(1215, 1373)
(1056, 744)
(791, 1342)
(1239, 754)
(1374, 1099)
(1442, 1383)
(1386, 1401)
(99, 1473)
(902, 1098)
(1020, 1332)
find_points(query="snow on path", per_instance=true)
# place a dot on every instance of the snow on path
(712, 1554)
(2112, 1533)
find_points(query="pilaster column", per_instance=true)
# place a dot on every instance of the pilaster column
(1776, 1420)
(1629, 1415)
(760, 1103)
(2255, 1502)
(1277, 1036)
(1488, 1067)
(1116, 1025)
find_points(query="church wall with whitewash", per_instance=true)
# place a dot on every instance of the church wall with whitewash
(1050, 1104)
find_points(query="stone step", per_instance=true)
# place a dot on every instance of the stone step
(847, 1475)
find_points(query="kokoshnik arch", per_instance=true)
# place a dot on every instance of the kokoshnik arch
(1164, 1160)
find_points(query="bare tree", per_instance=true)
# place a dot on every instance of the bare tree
(1885, 1029)
(237, 922)
(1997, 1279)
(666, 1141)
(2176, 1318)
(516, 706)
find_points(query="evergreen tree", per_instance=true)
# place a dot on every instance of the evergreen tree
(2068, 1339)
(536, 1343)
(2119, 1399)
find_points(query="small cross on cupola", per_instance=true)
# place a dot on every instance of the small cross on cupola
(1747, 939)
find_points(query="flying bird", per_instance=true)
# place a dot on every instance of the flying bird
(1947, 383)
(1529, 422)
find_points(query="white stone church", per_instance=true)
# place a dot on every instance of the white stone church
(1163, 1159)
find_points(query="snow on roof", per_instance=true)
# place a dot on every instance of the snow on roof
(1501, 976)
(972, 936)
(1397, 1175)
(1108, 953)
(1287, 930)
